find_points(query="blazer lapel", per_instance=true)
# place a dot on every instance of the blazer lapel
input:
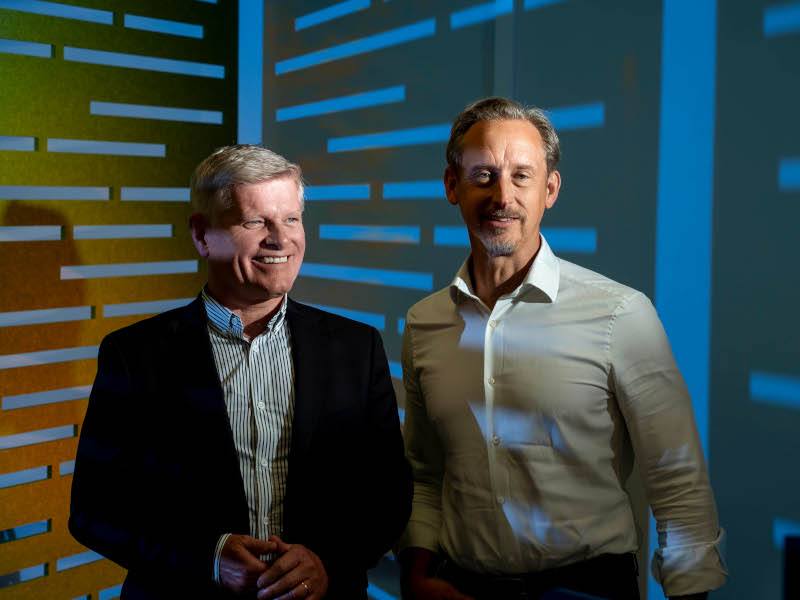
(309, 370)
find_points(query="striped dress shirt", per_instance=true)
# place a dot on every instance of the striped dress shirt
(257, 379)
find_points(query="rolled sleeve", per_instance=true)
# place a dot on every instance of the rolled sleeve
(658, 412)
(425, 455)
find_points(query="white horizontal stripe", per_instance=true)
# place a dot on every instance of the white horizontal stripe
(45, 315)
(168, 267)
(111, 232)
(143, 308)
(47, 397)
(30, 233)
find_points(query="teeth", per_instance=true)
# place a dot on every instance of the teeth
(269, 260)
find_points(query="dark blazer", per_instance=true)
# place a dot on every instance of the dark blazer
(157, 478)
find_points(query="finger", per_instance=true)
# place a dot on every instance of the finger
(258, 547)
(279, 568)
(290, 585)
(282, 546)
(300, 591)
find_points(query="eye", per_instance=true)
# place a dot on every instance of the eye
(482, 176)
(523, 176)
(253, 224)
(293, 220)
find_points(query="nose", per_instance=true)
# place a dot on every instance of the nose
(503, 193)
(273, 235)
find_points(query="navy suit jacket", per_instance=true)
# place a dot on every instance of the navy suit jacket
(157, 478)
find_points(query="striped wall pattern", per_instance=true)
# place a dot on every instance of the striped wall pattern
(112, 105)
(648, 98)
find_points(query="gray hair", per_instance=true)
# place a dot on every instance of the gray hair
(502, 109)
(213, 180)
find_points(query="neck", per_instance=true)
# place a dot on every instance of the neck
(254, 315)
(496, 276)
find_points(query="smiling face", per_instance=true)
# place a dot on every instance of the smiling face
(255, 247)
(503, 188)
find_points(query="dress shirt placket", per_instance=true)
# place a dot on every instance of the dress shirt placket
(493, 364)
(261, 442)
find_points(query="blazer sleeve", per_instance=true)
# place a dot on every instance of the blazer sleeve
(115, 501)
(389, 474)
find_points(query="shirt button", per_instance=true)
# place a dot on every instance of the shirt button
(500, 500)
(264, 463)
(496, 440)
(491, 380)
(492, 323)
(261, 405)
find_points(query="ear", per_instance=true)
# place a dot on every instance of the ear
(450, 184)
(553, 187)
(199, 225)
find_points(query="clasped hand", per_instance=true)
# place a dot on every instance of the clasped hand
(296, 572)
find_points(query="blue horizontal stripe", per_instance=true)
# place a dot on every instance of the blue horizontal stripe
(46, 315)
(30, 233)
(24, 476)
(780, 390)
(156, 194)
(480, 13)
(789, 174)
(150, 307)
(392, 37)
(353, 101)
(120, 232)
(353, 191)
(146, 63)
(561, 239)
(413, 190)
(115, 591)
(580, 116)
(52, 192)
(167, 267)
(397, 234)
(450, 235)
(68, 394)
(783, 528)
(782, 19)
(39, 436)
(428, 134)
(160, 113)
(403, 279)
(330, 13)
(26, 574)
(55, 9)
(66, 468)
(46, 357)
(25, 48)
(376, 320)
(77, 560)
(534, 4)
(396, 369)
(103, 147)
(401, 326)
(16, 142)
(24, 531)
(163, 26)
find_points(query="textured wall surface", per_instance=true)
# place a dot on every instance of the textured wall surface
(105, 109)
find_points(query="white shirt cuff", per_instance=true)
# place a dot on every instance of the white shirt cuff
(691, 569)
(218, 554)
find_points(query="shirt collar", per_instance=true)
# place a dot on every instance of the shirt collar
(543, 275)
(228, 323)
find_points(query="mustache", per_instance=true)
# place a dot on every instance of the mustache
(502, 214)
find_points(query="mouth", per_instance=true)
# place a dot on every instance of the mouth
(270, 260)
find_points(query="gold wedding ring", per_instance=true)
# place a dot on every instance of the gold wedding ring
(306, 587)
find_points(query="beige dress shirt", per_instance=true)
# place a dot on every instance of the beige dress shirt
(522, 423)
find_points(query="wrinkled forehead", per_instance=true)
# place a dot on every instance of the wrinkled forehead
(502, 142)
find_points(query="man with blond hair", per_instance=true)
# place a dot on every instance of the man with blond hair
(245, 445)
(531, 384)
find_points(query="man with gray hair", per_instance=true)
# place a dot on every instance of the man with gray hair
(531, 385)
(245, 445)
